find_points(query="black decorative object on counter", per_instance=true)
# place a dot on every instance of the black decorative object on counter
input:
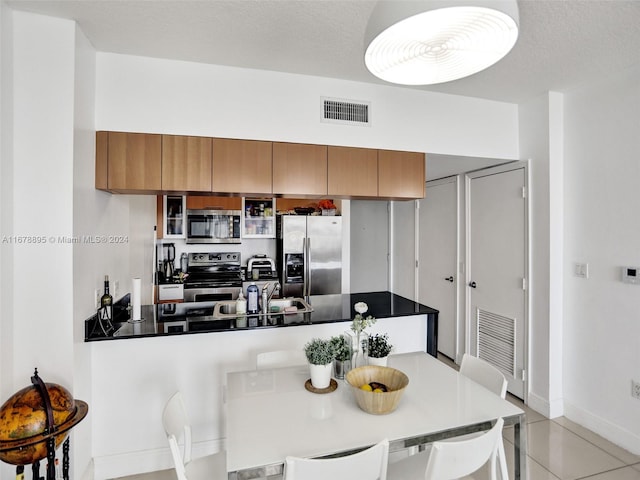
(34, 422)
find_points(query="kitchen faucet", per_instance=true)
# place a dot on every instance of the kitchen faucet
(266, 296)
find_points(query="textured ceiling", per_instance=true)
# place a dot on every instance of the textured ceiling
(562, 43)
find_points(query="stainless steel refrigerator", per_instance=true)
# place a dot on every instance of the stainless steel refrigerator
(309, 254)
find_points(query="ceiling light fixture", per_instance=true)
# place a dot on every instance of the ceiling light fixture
(424, 42)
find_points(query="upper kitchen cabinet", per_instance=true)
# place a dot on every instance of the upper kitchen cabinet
(352, 172)
(401, 175)
(209, 202)
(299, 169)
(242, 166)
(186, 163)
(128, 162)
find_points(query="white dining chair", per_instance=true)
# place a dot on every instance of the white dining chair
(449, 460)
(176, 425)
(482, 372)
(280, 358)
(369, 464)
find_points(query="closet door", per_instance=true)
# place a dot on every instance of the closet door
(497, 270)
(369, 246)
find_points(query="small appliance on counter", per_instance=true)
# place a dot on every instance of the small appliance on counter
(261, 270)
(261, 267)
(166, 259)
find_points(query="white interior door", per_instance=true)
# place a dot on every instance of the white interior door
(403, 250)
(497, 271)
(369, 246)
(438, 257)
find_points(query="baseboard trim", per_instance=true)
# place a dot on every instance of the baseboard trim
(543, 406)
(108, 467)
(612, 432)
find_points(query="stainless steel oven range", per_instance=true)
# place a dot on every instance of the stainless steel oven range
(212, 277)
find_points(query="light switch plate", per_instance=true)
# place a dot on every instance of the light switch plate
(581, 270)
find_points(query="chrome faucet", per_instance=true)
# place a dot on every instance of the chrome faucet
(265, 291)
(266, 296)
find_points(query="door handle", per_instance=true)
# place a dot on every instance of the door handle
(449, 279)
(473, 285)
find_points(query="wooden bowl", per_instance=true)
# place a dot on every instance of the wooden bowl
(377, 403)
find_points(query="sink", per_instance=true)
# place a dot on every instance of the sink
(227, 308)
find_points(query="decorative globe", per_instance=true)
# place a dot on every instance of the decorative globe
(23, 423)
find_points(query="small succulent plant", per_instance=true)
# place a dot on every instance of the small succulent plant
(379, 346)
(319, 351)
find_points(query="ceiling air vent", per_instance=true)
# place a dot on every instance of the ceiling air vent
(345, 112)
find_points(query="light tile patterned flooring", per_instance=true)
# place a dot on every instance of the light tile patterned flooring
(558, 449)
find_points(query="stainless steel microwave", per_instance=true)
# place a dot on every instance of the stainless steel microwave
(213, 226)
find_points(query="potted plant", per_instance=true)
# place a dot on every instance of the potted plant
(378, 349)
(342, 361)
(320, 354)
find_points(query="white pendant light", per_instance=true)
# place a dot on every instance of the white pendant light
(424, 42)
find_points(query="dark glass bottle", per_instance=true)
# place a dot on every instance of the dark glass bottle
(106, 302)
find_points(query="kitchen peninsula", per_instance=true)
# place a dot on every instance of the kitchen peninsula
(326, 309)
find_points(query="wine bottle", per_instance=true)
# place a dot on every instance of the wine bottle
(106, 302)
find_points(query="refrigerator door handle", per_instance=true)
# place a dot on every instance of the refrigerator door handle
(305, 268)
(308, 264)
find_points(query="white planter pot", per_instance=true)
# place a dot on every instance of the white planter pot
(381, 362)
(320, 375)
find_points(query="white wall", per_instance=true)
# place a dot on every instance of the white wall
(403, 249)
(534, 145)
(151, 95)
(602, 227)
(37, 307)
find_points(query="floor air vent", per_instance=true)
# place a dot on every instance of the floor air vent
(496, 341)
(345, 112)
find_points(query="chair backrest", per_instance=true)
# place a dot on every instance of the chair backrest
(484, 373)
(176, 425)
(280, 358)
(450, 460)
(369, 464)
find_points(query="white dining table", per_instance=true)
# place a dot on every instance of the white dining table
(270, 414)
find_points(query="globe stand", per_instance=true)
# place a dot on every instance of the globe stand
(25, 449)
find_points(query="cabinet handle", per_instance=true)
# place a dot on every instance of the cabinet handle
(473, 285)
(449, 279)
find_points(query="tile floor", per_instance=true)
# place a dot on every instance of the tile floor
(558, 449)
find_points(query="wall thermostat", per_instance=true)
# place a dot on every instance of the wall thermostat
(631, 275)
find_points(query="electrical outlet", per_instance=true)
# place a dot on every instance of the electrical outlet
(635, 389)
(96, 298)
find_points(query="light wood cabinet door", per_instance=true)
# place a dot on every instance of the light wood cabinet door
(203, 202)
(299, 169)
(401, 175)
(186, 163)
(134, 162)
(242, 166)
(352, 172)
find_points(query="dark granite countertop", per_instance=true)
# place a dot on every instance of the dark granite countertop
(326, 309)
